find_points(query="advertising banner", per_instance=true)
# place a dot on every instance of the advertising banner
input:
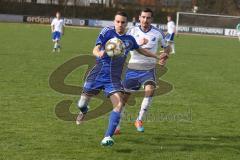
(230, 32)
(11, 18)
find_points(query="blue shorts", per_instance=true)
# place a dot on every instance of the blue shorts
(134, 79)
(56, 35)
(97, 81)
(93, 88)
(169, 37)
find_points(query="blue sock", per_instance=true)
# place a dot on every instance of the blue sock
(113, 122)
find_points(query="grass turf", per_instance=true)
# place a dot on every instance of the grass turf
(204, 73)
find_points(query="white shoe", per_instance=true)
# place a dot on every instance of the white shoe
(173, 52)
(80, 118)
(107, 141)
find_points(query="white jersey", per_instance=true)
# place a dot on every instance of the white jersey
(154, 37)
(58, 25)
(171, 27)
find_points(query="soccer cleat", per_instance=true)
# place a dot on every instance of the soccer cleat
(54, 50)
(117, 131)
(139, 126)
(107, 141)
(80, 118)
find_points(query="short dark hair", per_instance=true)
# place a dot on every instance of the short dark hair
(147, 10)
(121, 13)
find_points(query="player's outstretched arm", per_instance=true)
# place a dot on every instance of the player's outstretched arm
(97, 52)
(147, 53)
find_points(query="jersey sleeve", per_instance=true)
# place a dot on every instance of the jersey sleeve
(163, 43)
(135, 45)
(102, 36)
(53, 22)
(162, 40)
(131, 32)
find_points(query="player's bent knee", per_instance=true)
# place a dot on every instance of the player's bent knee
(149, 94)
(118, 107)
(149, 86)
(149, 91)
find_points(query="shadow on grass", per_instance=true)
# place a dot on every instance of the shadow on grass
(124, 150)
(187, 142)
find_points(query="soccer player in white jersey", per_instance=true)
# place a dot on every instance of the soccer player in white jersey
(141, 69)
(171, 29)
(57, 27)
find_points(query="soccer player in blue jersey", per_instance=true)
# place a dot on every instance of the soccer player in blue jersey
(106, 74)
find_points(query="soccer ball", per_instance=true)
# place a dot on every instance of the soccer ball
(114, 47)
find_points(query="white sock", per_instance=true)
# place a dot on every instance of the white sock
(55, 45)
(122, 113)
(145, 104)
(173, 47)
(83, 101)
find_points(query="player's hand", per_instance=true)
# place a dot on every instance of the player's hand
(143, 41)
(101, 53)
(163, 58)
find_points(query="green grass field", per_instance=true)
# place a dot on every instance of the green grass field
(204, 73)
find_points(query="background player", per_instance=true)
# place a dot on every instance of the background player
(141, 69)
(57, 27)
(106, 74)
(238, 30)
(171, 30)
